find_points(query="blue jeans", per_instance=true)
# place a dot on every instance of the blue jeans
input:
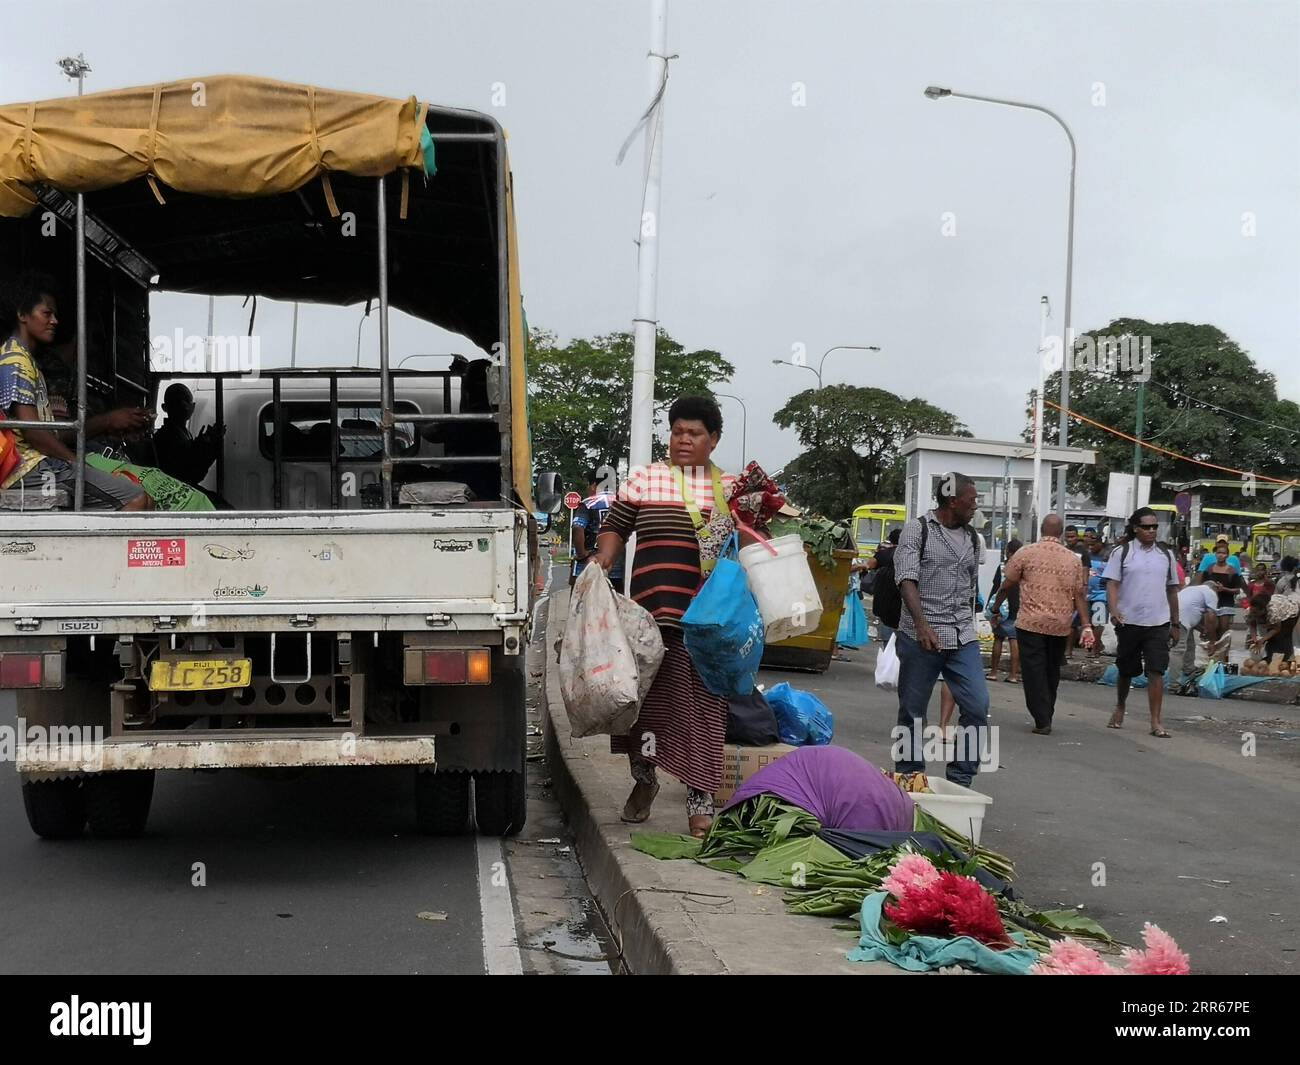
(918, 670)
(885, 633)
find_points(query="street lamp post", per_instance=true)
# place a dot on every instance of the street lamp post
(840, 347)
(934, 92)
(744, 421)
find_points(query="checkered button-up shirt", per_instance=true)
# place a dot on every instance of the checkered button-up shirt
(945, 580)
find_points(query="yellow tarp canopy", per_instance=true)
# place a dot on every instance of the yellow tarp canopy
(225, 136)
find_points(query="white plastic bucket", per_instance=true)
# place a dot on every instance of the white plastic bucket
(783, 585)
(961, 809)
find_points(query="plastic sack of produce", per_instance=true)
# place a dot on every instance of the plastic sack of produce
(723, 630)
(801, 717)
(599, 679)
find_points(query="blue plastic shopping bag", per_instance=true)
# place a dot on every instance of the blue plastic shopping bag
(801, 718)
(723, 630)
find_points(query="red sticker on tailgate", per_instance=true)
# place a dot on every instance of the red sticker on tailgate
(155, 553)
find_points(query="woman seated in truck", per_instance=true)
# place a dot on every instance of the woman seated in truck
(45, 461)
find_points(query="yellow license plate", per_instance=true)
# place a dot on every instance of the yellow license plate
(192, 675)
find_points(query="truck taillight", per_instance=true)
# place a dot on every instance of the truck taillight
(459, 666)
(31, 670)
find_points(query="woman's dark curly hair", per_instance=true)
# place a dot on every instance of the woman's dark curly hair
(22, 294)
(697, 409)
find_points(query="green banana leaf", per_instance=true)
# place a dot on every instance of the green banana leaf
(787, 863)
(666, 845)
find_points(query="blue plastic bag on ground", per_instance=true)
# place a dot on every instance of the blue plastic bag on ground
(723, 629)
(801, 718)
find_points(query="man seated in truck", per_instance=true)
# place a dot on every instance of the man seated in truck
(180, 453)
(45, 461)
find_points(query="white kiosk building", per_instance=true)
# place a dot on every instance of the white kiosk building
(1003, 472)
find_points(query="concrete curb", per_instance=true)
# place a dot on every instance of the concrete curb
(672, 917)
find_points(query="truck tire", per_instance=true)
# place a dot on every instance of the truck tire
(500, 802)
(442, 802)
(56, 809)
(117, 803)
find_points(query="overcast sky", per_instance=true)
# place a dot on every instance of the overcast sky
(819, 224)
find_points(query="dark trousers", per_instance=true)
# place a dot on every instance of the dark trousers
(1040, 673)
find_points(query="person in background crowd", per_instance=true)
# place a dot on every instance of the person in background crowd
(1096, 549)
(1231, 586)
(1289, 582)
(886, 603)
(1258, 578)
(1050, 588)
(1259, 593)
(587, 520)
(1196, 612)
(1080, 547)
(1004, 629)
(1182, 573)
(1142, 585)
(1208, 559)
(1098, 613)
(1275, 618)
(1244, 563)
(937, 570)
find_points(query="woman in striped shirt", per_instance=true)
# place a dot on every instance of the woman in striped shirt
(679, 513)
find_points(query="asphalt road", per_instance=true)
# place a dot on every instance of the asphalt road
(1187, 829)
(319, 873)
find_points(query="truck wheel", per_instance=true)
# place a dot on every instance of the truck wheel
(56, 809)
(442, 803)
(117, 803)
(500, 803)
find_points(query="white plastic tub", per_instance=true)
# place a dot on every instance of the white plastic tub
(961, 809)
(783, 585)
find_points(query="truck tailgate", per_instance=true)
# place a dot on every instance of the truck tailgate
(355, 569)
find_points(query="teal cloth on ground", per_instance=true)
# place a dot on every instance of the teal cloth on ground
(1216, 684)
(923, 953)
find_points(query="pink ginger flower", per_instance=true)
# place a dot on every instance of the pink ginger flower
(1069, 957)
(910, 871)
(1161, 958)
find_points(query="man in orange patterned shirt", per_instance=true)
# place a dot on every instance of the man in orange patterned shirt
(1052, 587)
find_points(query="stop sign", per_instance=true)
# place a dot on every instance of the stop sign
(572, 500)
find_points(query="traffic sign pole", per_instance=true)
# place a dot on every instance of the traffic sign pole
(573, 501)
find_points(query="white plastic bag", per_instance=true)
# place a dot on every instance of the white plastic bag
(887, 666)
(600, 678)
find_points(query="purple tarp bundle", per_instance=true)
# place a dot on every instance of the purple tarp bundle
(839, 788)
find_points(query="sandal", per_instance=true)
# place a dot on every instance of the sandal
(1161, 733)
(1116, 720)
(637, 808)
(990, 675)
(700, 825)
(1013, 680)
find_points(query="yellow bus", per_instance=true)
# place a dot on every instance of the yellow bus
(1272, 540)
(1236, 525)
(872, 522)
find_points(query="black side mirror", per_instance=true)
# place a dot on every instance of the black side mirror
(548, 493)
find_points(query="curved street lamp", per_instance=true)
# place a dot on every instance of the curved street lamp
(935, 92)
(744, 420)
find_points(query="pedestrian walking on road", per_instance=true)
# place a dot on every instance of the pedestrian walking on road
(1004, 628)
(1051, 585)
(886, 603)
(937, 570)
(1142, 586)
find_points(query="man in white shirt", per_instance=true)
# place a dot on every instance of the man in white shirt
(1195, 603)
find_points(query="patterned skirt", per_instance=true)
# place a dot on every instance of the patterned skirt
(682, 725)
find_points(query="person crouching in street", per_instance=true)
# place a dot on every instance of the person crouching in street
(937, 567)
(1142, 591)
(1051, 586)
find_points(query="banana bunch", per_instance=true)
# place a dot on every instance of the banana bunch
(911, 782)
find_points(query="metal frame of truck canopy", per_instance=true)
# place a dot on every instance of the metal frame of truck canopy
(452, 240)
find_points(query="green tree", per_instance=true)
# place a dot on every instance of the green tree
(580, 397)
(851, 438)
(1194, 369)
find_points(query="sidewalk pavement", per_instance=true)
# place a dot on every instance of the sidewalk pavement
(673, 916)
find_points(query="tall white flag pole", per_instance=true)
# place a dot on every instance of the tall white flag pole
(646, 321)
(1038, 420)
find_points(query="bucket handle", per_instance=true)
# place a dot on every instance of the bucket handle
(755, 534)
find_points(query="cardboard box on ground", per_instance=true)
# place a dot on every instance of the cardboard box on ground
(740, 763)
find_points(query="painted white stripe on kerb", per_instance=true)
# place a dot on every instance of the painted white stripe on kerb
(496, 902)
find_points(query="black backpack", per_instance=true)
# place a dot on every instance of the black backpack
(886, 602)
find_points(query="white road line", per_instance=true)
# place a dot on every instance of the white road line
(496, 902)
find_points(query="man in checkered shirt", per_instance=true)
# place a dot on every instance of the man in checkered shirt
(936, 636)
